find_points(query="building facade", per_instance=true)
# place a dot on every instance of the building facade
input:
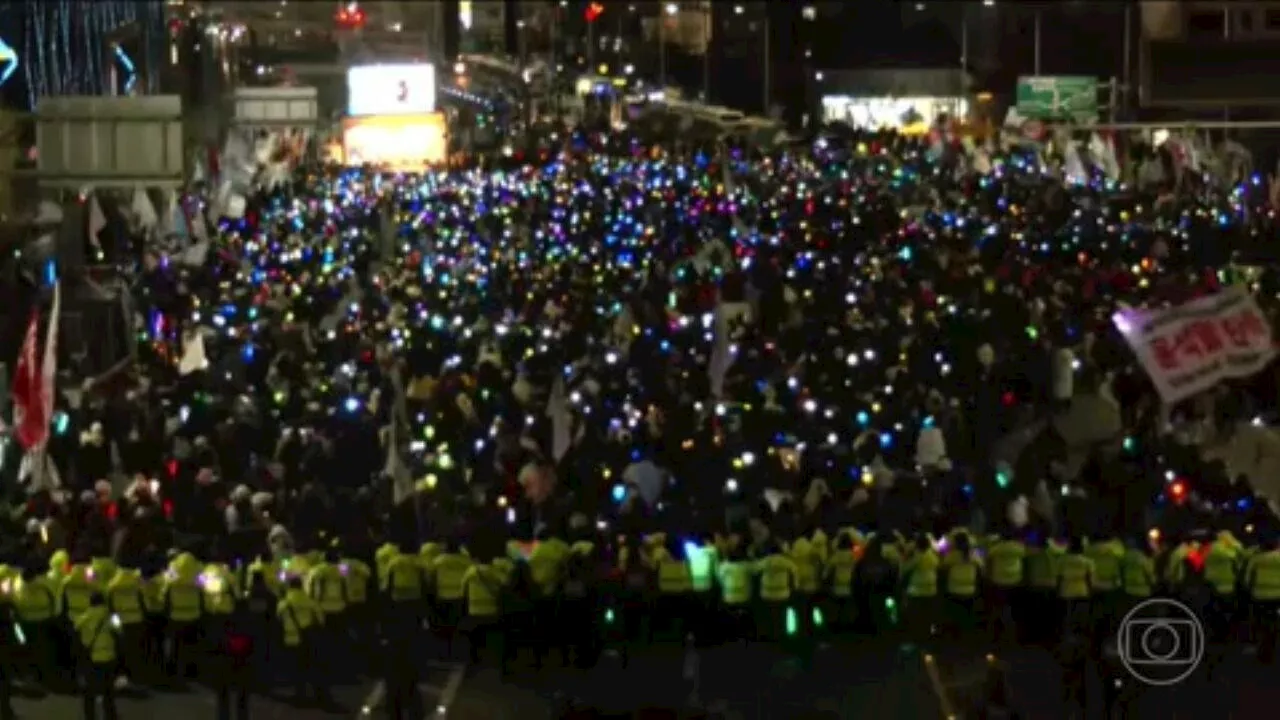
(1209, 55)
(67, 47)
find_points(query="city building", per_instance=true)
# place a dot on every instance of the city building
(71, 47)
(684, 27)
(1209, 55)
(483, 26)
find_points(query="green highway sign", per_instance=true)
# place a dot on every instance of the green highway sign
(1060, 97)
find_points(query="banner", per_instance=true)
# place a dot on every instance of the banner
(1191, 347)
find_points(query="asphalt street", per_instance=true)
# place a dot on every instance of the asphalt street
(758, 682)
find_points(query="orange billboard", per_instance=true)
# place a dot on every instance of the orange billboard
(400, 143)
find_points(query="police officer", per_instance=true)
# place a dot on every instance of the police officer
(300, 617)
(636, 592)
(403, 586)
(1262, 578)
(737, 582)
(1005, 563)
(484, 588)
(97, 632)
(125, 600)
(963, 579)
(920, 574)
(1075, 587)
(184, 606)
(325, 585)
(355, 578)
(675, 585)
(38, 610)
(546, 569)
(1222, 572)
(1137, 575)
(1040, 600)
(1106, 553)
(12, 638)
(447, 571)
(236, 638)
(778, 574)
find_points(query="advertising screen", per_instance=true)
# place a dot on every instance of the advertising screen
(399, 143)
(408, 89)
(911, 115)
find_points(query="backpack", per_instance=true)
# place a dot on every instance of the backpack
(637, 578)
(577, 575)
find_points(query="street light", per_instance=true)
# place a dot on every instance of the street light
(670, 9)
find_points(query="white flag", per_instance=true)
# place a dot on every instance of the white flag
(198, 174)
(48, 213)
(235, 207)
(97, 223)
(1073, 165)
(193, 357)
(144, 212)
(194, 256)
(265, 148)
(561, 420)
(394, 468)
(275, 176)
(1104, 154)
(199, 229)
(38, 472)
(49, 365)
(721, 352)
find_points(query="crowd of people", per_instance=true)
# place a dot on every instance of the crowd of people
(718, 392)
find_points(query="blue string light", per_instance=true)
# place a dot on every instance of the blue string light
(64, 44)
(35, 40)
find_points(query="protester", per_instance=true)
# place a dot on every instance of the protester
(682, 384)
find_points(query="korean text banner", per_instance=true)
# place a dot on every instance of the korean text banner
(1191, 347)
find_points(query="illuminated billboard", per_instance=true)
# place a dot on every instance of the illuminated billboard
(404, 89)
(399, 143)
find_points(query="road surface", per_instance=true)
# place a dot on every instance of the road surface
(758, 682)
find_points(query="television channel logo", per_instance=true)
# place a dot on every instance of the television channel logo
(1161, 642)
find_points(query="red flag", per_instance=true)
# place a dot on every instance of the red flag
(31, 424)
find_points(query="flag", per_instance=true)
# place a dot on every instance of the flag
(561, 420)
(37, 469)
(177, 224)
(198, 172)
(28, 407)
(144, 212)
(194, 256)
(394, 467)
(193, 357)
(49, 365)
(721, 353)
(196, 221)
(1073, 165)
(193, 353)
(49, 213)
(1104, 154)
(97, 223)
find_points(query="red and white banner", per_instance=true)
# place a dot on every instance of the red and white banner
(1189, 348)
(30, 423)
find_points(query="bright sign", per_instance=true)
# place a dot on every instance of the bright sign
(8, 62)
(408, 89)
(399, 143)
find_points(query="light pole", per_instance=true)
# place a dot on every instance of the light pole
(768, 79)
(668, 10)
(1036, 62)
(708, 19)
